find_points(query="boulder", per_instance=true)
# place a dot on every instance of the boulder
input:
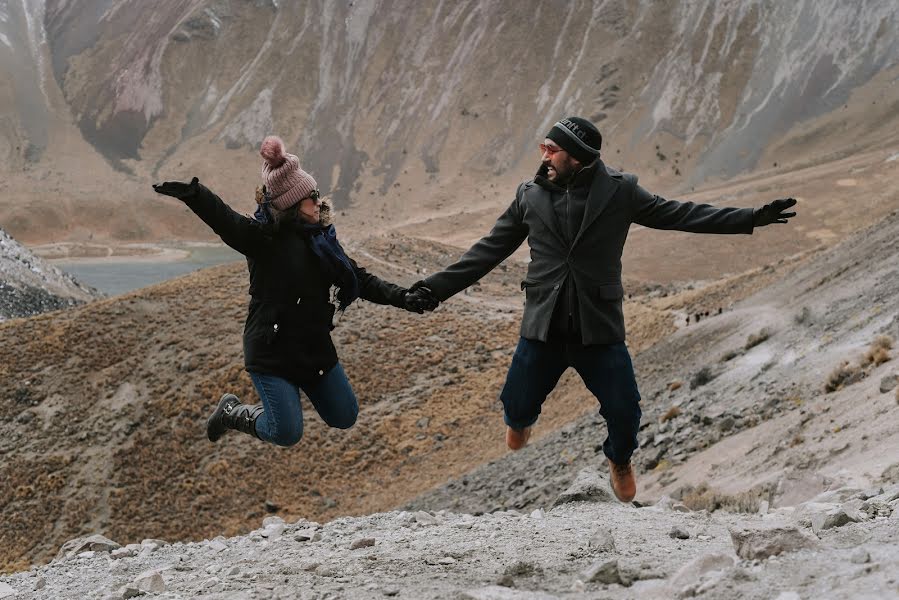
(603, 571)
(589, 486)
(888, 383)
(759, 541)
(6, 591)
(91, 543)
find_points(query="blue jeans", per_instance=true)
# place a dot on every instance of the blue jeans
(282, 422)
(606, 370)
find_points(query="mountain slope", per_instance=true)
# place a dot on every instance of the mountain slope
(379, 98)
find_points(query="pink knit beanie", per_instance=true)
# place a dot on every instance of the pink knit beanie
(284, 180)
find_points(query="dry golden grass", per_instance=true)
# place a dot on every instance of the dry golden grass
(757, 338)
(879, 352)
(847, 374)
(841, 376)
(672, 412)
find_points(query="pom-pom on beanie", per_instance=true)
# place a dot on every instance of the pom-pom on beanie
(285, 182)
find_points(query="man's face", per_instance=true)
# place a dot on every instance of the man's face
(559, 164)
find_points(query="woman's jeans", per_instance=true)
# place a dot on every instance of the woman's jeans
(606, 370)
(282, 422)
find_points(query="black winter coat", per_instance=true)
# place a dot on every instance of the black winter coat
(288, 327)
(592, 259)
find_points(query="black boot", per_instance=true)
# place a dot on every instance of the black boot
(231, 414)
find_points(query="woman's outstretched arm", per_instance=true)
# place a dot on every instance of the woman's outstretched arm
(245, 235)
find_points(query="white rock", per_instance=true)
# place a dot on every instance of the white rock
(425, 518)
(788, 596)
(762, 541)
(589, 486)
(602, 540)
(498, 592)
(602, 571)
(152, 543)
(268, 521)
(692, 572)
(273, 531)
(149, 581)
(91, 543)
(538, 514)
(6, 590)
(362, 543)
(217, 545)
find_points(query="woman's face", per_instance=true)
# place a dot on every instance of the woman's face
(310, 210)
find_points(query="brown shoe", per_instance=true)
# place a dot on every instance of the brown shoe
(516, 439)
(623, 482)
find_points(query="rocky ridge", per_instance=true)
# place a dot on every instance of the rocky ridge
(841, 544)
(29, 286)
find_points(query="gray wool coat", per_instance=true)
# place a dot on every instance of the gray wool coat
(593, 258)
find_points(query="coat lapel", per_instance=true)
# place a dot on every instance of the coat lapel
(601, 191)
(542, 204)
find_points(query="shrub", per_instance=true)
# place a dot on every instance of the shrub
(702, 377)
(730, 355)
(879, 352)
(846, 374)
(757, 338)
(841, 376)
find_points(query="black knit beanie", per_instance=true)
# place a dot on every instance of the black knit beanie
(578, 137)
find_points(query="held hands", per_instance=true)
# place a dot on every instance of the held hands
(419, 299)
(176, 189)
(773, 213)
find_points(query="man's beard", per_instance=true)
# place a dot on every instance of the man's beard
(560, 178)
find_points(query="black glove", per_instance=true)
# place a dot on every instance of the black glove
(773, 213)
(419, 299)
(177, 189)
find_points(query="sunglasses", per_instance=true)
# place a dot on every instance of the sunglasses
(547, 149)
(314, 195)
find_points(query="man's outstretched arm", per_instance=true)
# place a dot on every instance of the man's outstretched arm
(658, 213)
(506, 236)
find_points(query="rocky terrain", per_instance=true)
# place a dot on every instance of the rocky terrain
(584, 544)
(29, 286)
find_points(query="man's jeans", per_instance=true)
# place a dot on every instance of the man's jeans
(282, 421)
(606, 370)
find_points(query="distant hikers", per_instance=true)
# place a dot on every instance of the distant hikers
(575, 214)
(294, 261)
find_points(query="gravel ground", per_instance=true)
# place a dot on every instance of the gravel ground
(597, 548)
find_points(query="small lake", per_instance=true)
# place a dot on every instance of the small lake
(119, 275)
